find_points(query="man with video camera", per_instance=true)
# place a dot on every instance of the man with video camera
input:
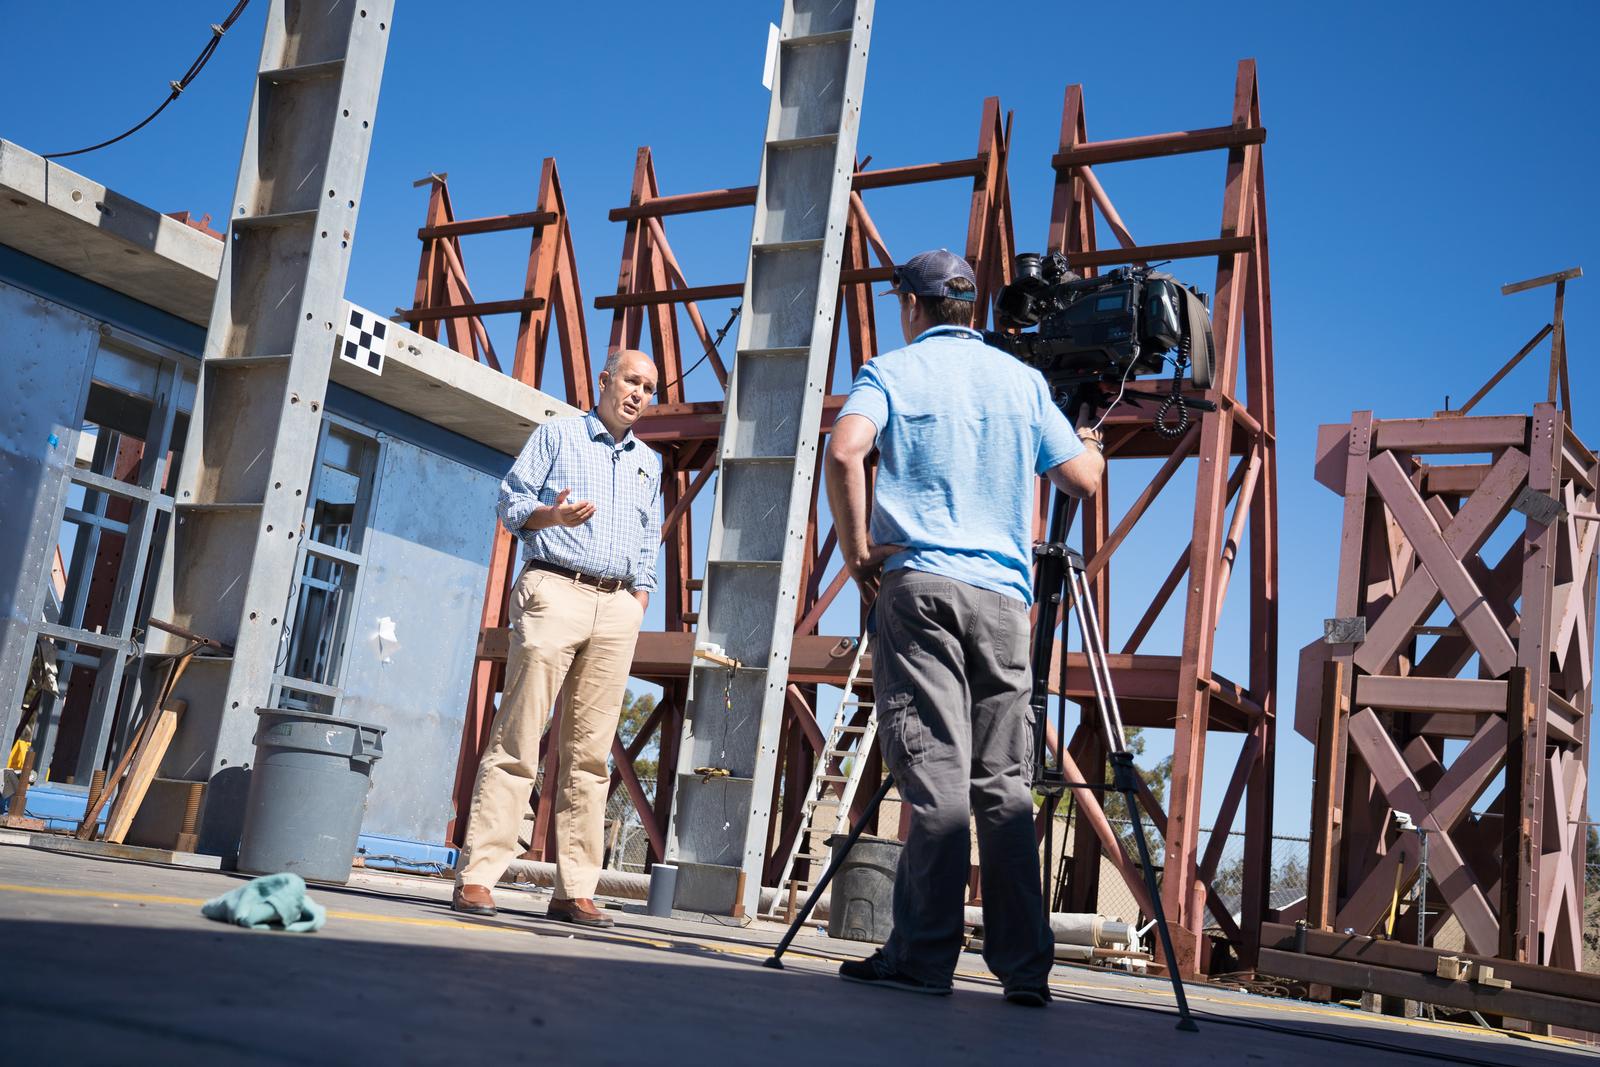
(962, 431)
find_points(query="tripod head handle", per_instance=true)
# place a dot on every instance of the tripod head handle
(1071, 557)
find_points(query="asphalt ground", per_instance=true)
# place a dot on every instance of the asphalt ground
(110, 961)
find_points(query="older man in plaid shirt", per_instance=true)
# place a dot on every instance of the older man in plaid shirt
(584, 500)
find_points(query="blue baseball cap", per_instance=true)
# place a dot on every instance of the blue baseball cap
(929, 274)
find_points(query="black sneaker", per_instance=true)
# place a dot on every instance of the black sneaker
(1029, 996)
(874, 971)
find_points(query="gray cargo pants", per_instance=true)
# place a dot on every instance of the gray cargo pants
(951, 682)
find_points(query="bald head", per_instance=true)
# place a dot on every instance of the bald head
(626, 386)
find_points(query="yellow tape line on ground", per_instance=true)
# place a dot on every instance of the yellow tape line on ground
(359, 916)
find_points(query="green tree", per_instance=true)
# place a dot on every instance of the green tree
(1290, 875)
(635, 713)
(1156, 778)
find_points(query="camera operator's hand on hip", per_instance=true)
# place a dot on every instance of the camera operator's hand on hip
(574, 514)
(868, 570)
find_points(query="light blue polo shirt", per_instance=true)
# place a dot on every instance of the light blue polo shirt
(963, 430)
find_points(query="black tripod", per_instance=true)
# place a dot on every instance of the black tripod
(1059, 573)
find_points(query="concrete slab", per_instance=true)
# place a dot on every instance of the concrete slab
(112, 963)
(436, 383)
(68, 220)
(77, 224)
(116, 851)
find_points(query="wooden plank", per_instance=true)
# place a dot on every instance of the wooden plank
(1443, 565)
(491, 224)
(1402, 955)
(1571, 630)
(1517, 911)
(1513, 1003)
(1158, 144)
(91, 814)
(456, 311)
(1500, 374)
(1541, 559)
(1561, 719)
(1453, 479)
(1213, 246)
(1476, 433)
(1358, 447)
(1327, 792)
(1430, 694)
(143, 771)
(1543, 279)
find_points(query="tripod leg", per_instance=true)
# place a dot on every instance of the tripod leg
(833, 866)
(1124, 764)
(1046, 867)
(1124, 775)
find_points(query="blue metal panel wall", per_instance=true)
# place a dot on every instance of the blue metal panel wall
(427, 563)
(45, 355)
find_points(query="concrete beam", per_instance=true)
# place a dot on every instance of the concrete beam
(71, 222)
(438, 384)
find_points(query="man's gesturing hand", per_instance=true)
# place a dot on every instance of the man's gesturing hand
(868, 570)
(574, 514)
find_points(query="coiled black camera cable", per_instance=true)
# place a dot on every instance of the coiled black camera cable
(1163, 424)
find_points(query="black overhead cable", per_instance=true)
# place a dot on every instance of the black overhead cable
(712, 347)
(177, 87)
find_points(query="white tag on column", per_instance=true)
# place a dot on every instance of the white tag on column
(386, 639)
(770, 68)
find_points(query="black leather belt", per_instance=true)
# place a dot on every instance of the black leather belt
(605, 585)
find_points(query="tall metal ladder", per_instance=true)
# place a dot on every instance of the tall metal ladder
(827, 779)
(768, 457)
(276, 316)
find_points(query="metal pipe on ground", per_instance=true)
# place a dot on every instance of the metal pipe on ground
(1070, 928)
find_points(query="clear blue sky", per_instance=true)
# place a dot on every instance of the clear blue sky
(1418, 157)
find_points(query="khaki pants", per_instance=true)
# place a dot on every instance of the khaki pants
(561, 631)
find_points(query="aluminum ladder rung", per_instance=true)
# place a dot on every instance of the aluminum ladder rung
(769, 247)
(303, 72)
(782, 144)
(831, 37)
(274, 220)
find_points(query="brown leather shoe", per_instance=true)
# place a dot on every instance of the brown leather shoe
(472, 900)
(580, 911)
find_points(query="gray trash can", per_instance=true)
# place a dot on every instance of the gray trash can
(308, 793)
(861, 897)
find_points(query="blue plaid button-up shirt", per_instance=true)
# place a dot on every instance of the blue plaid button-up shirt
(622, 480)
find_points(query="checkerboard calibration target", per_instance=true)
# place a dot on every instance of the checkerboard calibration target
(366, 341)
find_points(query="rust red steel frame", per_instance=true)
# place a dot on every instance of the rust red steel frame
(1509, 674)
(1232, 452)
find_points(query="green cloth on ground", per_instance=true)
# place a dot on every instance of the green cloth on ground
(271, 902)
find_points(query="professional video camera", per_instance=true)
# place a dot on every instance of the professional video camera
(1094, 332)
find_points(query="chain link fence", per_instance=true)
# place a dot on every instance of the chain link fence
(1591, 918)
(627, 844)
(1290, 856)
